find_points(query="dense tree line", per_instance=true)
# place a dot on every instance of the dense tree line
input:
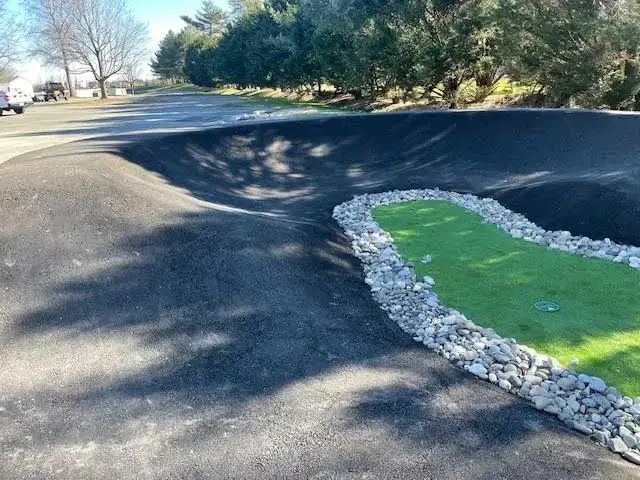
(584, 52)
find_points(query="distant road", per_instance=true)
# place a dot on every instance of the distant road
(48, 124)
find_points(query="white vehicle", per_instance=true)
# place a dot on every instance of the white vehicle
(14, 99)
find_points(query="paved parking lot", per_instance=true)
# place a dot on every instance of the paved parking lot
(185, 307)
(48, 124)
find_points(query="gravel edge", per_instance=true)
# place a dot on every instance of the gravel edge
(585, 403)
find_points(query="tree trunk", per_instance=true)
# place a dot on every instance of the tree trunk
(319, 86)
(372, 83)
(451, 91)
(67, 71)
(103, 89)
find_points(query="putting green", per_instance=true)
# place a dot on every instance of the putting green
(495, 280)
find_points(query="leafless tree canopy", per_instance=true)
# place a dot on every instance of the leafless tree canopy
(131, 73)
(9, 37)
(104, 37)
(50, 25)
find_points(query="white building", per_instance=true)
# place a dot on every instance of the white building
(18, 85)
(86, 92)
(117, 91)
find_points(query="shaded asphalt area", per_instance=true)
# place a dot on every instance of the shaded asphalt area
(45, 125)
(185, 307)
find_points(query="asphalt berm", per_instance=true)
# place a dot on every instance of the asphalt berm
(185, 307)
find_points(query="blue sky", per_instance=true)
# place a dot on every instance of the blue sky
(163, 15)
(160, 15)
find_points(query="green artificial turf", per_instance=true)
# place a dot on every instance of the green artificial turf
(495, 280)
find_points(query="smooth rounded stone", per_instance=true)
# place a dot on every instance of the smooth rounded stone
(515, 381)
(538, 361)
(623, 430)
(600, 436)
(632, 455)
(478, 369)
(567, 384)
(597, 385)
(612, 395)
(567, 413)
(542, 375)
(604, 403)
(557, 371)
(632, 427)
(505, 384)
(564, 416)
(616, 414)
(510, 367)
(628, 402)
(552, 409)
(618, 421)
(538, 391)
(532, 379)
(470, 355)
(581, 428)
(502, 358)
(573, 404)
(493, 378)
(479, 346)
(586, 379)
(540, 402)
(617, 445)
(590, 402)
(629, 440)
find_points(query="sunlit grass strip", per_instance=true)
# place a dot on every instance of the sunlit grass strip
(494, 279)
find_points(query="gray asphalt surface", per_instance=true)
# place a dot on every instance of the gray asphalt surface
(53, 123)
(184, 307)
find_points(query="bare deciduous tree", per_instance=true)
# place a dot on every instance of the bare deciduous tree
(50, 28)
(9, 37)
(105, 37)
(131, 73)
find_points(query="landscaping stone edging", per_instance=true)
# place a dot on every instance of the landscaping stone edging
(583, 402)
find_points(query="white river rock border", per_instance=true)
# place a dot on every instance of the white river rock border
(583, 402)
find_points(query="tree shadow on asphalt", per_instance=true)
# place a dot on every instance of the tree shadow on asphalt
(550, 173)
(228, 329)
(237, 310)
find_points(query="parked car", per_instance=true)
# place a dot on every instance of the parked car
(39, 96)
(54, 91)
(14, 100)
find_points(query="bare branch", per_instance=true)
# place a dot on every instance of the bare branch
(105, 37)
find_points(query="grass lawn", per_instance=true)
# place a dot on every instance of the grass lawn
(264, 97)
(495, 280)
(275, 98)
